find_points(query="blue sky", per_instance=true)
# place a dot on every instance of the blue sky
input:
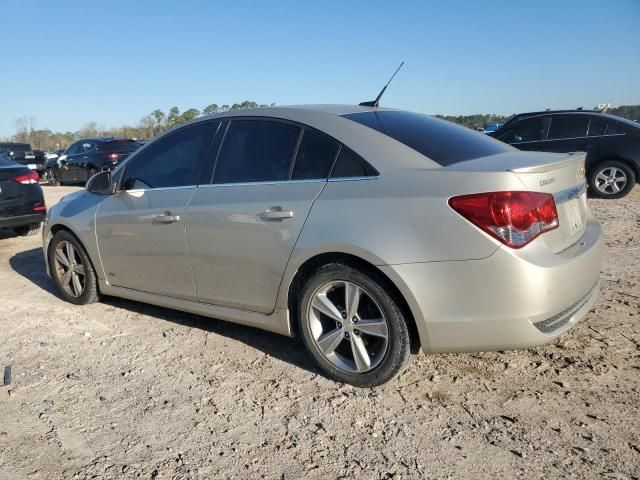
(70, 62)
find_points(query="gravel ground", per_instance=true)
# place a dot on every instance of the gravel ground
(125, 390)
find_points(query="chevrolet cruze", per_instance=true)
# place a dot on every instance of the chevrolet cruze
(371, 233)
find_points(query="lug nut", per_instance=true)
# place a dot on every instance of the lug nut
(344, 315)
(346, 335)
(354, 319)
(339, 324)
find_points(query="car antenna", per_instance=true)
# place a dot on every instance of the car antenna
(376, 102)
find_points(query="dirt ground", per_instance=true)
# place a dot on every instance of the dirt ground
(125, 390)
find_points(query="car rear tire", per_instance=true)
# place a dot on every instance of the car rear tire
(355, 330)
(71, 269)
(611, 179)
(91, 173)
(27, 230)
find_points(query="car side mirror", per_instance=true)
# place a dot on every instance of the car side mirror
(101, 184)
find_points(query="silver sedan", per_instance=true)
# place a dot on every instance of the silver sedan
(371, 233)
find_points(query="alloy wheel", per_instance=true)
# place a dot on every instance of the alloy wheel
(348, 326)
(610, 180)
(69, 268)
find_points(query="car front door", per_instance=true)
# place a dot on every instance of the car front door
(141, 228)
(243, 226)
(66, 160)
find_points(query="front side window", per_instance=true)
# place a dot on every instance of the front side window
(256, 151)
(87, 147)
(568, 127)
(531, 130)
(171, 161)
(316, 154)
(74, 149)
(119, 146)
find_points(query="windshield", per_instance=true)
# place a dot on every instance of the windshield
(443, 142)
(18, 148)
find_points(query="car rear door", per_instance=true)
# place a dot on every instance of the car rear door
(568, 133)
(242, 227)
(141, 229)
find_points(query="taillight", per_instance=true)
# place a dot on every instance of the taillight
(39, 208)
(112, 156)
(31, 177)
(514, 218)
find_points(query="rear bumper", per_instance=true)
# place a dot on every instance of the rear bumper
(512, 299)
(21, 220)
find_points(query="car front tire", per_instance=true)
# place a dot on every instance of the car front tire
(51, 178)
(355, 331)
(71, 269)
(611, 179)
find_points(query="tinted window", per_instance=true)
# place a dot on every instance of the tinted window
(568, 127)
(612, 129)
(5, 162)
(441, 141)
(74, 149)
(119, 146)
(315, 156)
(596, 128)
(256, 151)
(171, 161)
(350, 164)
(86, 147)
(525, 131)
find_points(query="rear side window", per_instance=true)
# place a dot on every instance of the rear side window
(119, 146)
(256, 151)
(316, 154)
(531, 130)
(568, 127)
(596, 128)
(612, 129)
(441, 141)
(171, 161)
(350, 164)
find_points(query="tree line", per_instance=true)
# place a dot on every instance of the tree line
(148, 127)
(158, 121)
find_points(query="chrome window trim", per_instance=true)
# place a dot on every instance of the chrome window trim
(570, 193)
(159, 189)
(271, 182)
(352, 179)
(568, 138)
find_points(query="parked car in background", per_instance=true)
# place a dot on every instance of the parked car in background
(612, 144)
(368, 231)
(84, 158)
(22, 204)
(491, 128)
(23, 154)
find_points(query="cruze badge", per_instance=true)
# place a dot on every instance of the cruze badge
(580, 173)
(547, 181)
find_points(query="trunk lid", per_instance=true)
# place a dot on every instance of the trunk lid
(12, 193)
(562, 175)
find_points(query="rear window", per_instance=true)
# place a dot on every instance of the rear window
(443, 142)
(120, 146)
(5, 162)
(17, 148)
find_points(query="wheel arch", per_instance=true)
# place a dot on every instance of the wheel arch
(63, 227)
(309, 265)
(630, 163)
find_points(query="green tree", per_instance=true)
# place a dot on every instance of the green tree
(159, 117)
(210, 109)
(188, 115)
(174, 115)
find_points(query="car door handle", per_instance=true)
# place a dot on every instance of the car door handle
(166, 218)
(584, 146)
(275, 214)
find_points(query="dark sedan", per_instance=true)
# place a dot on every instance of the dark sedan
(84, 158)
(612, 144)
(22, 204)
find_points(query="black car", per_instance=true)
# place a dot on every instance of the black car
(612, 144)
(84, 158)
(23, 154)
(22, 204)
